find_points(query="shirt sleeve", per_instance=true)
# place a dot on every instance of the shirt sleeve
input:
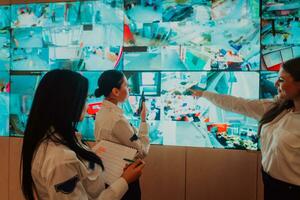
(77, 182)
(130, 136)
(115, 191)
(250, 108)
(64, 183)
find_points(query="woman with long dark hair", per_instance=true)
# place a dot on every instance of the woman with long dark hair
(112, 125)
(55, 164)
(278, 130)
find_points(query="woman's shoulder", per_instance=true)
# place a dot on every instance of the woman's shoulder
(60, 150)
(51, 155)
(109, 116)
(55, 163)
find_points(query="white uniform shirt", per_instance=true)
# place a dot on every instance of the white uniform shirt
(280, 139)
(59, 175)
(112, 125)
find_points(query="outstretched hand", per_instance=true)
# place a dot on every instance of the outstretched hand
(196, 93)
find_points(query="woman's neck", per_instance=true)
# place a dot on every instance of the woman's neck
(297, 105)
(114, 101)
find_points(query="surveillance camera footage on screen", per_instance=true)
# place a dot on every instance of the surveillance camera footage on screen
(164, 48)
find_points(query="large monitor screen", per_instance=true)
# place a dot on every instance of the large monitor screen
(280, 32)
(4, 69)
(232, 47)
(23, 86)
(4, 102)
(178, 118)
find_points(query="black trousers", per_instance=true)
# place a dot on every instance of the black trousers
(134, 191)
(275, 189)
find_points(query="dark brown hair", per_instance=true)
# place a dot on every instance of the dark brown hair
(107, 81)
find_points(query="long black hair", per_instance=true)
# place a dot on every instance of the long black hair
(292, 67)
(58, 104)
(107, 81)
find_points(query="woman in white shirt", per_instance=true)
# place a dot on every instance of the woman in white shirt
(279, 131)
(112, 125)
(55, 164)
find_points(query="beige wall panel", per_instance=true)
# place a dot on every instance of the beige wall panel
(14, 169)
(4, 2)
(260, 185)
(4, 167)
(213, 174)
(164, 174)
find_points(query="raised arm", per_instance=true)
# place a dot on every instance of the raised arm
(250, 108)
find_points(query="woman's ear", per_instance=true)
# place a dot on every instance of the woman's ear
(115, 92)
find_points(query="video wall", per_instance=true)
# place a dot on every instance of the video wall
(164, 48)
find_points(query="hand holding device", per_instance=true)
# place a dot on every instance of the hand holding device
(196, 93)
(142, 100)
